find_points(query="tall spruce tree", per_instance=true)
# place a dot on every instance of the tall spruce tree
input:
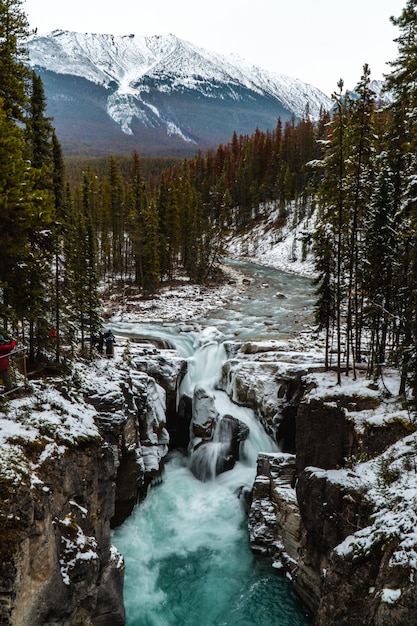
(380, 251)
(117, 210)
(136, 199)
(402, 82)
(332, 195)
(359, 182)
(15, 211)
(81, 273)
(151, 253)
(14, 31)
(59, 232)
(16, 182)
(40, 288)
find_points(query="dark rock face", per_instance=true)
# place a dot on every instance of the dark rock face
(179, 423)
(330, 511)
(324, 519)
(335, 505)
(57, 563)
(132, 420)
(219, 454)
(324, 437)
(64, 569)
(276, 527)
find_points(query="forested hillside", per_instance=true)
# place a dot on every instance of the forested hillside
(142, 223)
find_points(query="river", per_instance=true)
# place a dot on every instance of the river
(187, 554)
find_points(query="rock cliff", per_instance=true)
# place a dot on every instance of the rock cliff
(336, 509)
(77, 454)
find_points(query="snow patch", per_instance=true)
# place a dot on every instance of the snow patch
(390, 596)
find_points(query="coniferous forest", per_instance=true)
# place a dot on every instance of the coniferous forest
(66, 228)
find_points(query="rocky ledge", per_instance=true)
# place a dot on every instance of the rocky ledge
(336, 510)
(76, 455)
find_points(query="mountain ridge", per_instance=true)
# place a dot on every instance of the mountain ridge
(189, 96)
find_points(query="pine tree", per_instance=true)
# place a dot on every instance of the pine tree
(136, 199)
(151, 258)
(117, 211)
(333, 214)
(39, 289)
(380, 251)
(402, 82)
(14, 32)
(39, 130)
(59, 234)
(359, 181)
(325, 284)
(15, 211)
(82, 278)
(16, 181)
(170, 204)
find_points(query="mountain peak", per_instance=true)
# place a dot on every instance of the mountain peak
(137, 74)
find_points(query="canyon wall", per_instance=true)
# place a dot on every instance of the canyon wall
(77, 454)
(336, 509)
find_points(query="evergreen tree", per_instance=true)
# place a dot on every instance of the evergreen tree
(117, 211)
(60, 230)
(380, 251)
(333, 214)
(15, 211)
(137, 201)
(151, 258)
(14, 31)
(170, 205)
(325, 284)
(39, 289)
(39, 130)
(82, 277)
(402, 82)
(359, 182)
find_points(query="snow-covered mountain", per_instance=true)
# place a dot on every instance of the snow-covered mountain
(159, 92)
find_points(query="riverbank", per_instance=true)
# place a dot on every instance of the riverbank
(178, 302)
(287, 249)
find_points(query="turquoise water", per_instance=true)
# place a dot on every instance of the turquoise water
(187, 554)
(188, 561)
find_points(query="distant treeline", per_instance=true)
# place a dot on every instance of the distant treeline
(152, 221)
(152, 167)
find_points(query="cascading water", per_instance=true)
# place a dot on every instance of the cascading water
(186, 548)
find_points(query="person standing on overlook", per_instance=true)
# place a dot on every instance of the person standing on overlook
(6, 346)
(110, 340)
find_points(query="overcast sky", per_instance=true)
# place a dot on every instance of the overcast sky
(318, 41)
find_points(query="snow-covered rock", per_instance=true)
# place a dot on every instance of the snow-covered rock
(340, 515)
(76, 453)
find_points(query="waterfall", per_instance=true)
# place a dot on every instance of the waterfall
(186, 547)
(232, 433)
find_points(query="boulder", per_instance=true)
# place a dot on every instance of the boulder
(219, 453)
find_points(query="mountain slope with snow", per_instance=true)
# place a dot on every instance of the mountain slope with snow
(160, 90)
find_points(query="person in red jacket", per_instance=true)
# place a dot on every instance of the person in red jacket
(6, 346)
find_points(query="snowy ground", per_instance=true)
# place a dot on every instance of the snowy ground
(279, 247)
(182, 303)
(264, 244)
